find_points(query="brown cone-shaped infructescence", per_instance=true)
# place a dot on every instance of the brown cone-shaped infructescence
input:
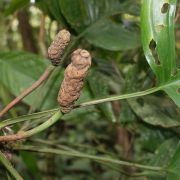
(57, 47)
(74, 79)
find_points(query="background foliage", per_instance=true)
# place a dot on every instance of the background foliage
(142, 129)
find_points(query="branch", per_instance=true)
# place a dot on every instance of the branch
(119, 97)
(34, 86)
(58, 115)
(88, 156)
(22, 135)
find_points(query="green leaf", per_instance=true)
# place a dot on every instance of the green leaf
(19, 70)
(158, 39)
(81, 14)
(146, 108)
(92, 19)
(112, 36)
(174, 166)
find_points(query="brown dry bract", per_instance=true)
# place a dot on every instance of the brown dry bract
(73, 79)
(56, 49)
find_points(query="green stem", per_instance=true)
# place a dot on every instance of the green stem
(9, 167)
(58, 114)
(119, 97)
(81, 155)
(94, 102)
(66, 148)
(45, 125)
(34, 116)
(53, 144)
(38, 129)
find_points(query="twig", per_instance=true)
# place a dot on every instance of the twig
(119, 97)
(27, 91)
(88, 156)
(22, 135)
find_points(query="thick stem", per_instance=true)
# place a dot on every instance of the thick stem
(22, 135)
(29, 133)
(34, 86)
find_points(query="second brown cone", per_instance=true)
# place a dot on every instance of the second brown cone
(74, 79)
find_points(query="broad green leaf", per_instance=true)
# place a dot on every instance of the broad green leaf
(99, 88)
(112, 36)
(146, 108)
(81, 14)
(19, 70)
(92, 19)
(174, 166)
(158, 39)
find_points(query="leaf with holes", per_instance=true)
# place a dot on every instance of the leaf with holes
(158, 39)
